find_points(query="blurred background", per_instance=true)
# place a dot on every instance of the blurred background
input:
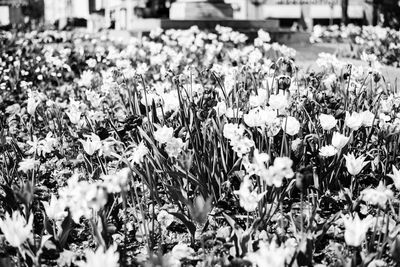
(142, 15)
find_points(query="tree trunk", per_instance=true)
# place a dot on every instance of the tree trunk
(345, 17)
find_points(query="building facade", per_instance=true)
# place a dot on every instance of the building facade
(11, 11)
(304, 13)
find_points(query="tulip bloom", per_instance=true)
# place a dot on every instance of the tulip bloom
(92, 144)
(354, 165)
(355, 230)
(15, 228)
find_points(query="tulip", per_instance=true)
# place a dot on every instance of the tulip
(327, 151)
(327, 121)
(291, 125)
(355, 230)
(15, 228)
(101, 258)
(354, 121)
(354, 165)
(92, 144)
(248, 199)
(339, 140)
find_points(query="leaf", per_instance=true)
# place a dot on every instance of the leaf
(189, 225)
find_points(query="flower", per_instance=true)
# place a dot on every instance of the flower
(74, 116)
(368, 118)
(164, 134)
(395, 177)
(139, 153)
(378, 196)
(248, 199)
(282, 168)
(242, 146)
(27, 164)
(354, 121)
(15, 228)
(327, 151)
(165, 218)
(268, 255)
(278, 102)
(55, 209)
(355, 230)
(233, 131)
(291, 125)
(101, 258)
(354, 165)
(327, 122)
(339, 140)
(92, 143)
(115, 183)
(174, 147)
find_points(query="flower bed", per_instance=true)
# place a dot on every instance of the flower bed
(383, 42)
(191, 148)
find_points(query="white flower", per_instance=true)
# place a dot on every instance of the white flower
(164, 134)
(174, 147)
(255, 118)
(32, 105)
(15, 228)
(242, 145)
(101, 258)
(27, 164)
(291, 125)
(220, 108)
(92, 143)
(278, 101)
(233, 131)
(378, 196)
(74, 116)
(327, 151)
(115, 183)
(327, 122)
(354, 121)
(368, 118)
(139, 153)
(355, 230)
(258, 100)
(55, 209)
(165, 219)
(354, 165)
(395, 177)
(248, 199)
(339, 140)
(268, 255)
(281, 169)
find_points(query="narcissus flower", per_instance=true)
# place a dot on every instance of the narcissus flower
(163, 134)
